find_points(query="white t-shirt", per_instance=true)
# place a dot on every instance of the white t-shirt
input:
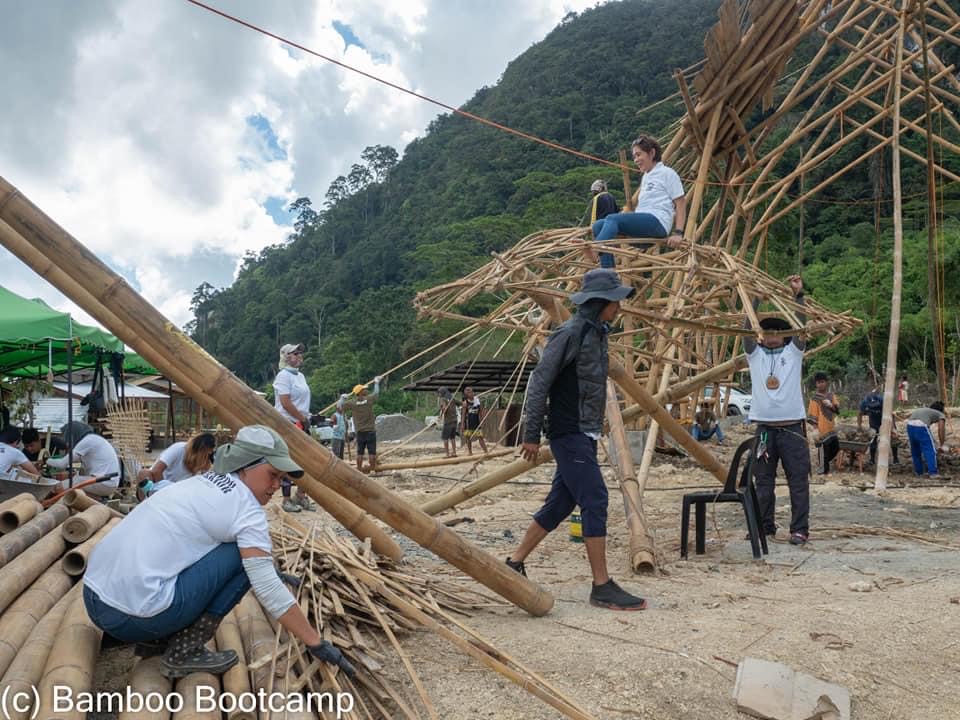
(786, 401)
(173, 457)
(134, 568)
(658, 189)
(10, 457)
(97, 456)
(292, 382)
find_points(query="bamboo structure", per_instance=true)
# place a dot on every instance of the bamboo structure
(17, 575)
(74, 561)
(81, 527)
(26, 669)
(71, 660)
(25, 612)
(26, 535)
(146, 678)
(19, 513)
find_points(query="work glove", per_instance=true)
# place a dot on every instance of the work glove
(288, 579)
(329, 653)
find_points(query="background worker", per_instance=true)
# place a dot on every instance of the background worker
(96, 455)
(338, 422)
(449, 421)
(33, 445)
(705, 424)
(922, 450)
(472, 420)
(822, 413)
(11, 456)
(292, 400)
(602, 203)
(216, 547)
(364, 421)
(178, 462)
(572, 375)
(871, 407)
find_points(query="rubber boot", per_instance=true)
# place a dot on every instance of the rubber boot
(187, 652)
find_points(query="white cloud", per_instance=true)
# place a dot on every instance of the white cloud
(127, 122)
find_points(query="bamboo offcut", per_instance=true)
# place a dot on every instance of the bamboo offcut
(74, 561)
(19, 513)
(26, 535)
(82, 526)
(24, 674)
(78, 501)
(146, 678)
(182, 360)
(24, 613)
(16, 576)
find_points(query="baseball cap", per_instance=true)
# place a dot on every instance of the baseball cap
(253, 443)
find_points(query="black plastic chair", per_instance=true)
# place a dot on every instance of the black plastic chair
(745, 493)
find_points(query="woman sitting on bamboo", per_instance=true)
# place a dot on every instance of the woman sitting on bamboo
(178, 462)
(214, 546)
(660, 205)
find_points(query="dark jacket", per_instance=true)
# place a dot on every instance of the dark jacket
(572, 375)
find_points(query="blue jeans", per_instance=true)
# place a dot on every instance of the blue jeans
(921, 449)
(631, 224)
(214, 584)
(699, 434)
(577, 481)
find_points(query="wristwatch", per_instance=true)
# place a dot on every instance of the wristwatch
(677, 231)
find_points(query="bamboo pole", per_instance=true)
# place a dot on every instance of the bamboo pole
(18, 514)
(26, 535)
(79, 501)
(74, 561)
(890, 381)
(236, 681)
(189, 687)
(346, 513)
(27, 610)
(71, 661)
(184, 361)
(23, 675)
(17, 575)
(439, 462)
(146, 678)
(83, 526)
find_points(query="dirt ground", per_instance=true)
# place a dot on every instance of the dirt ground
(895, 646)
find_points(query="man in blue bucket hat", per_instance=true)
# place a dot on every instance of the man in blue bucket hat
(572, 375)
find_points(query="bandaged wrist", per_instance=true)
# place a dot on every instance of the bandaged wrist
(267, 586)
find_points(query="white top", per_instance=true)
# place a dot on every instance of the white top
(291, 382)
(658, 189)
(10, 457)
(97, 456)
(173, 457)
(134, 568)
(786, 401)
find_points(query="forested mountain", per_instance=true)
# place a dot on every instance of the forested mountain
(344, 282)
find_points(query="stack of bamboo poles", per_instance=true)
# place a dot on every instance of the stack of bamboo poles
(46, 638)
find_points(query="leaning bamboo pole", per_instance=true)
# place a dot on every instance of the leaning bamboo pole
(18, 514)
(346, 513)
(27, 610)
(186, 363)
(26, 535)
(74, 561)
(83, 526)
(890, 380)
(440, 462)
(71, 661)
(144, 679)
(17, 575)
(236, 681)
(22, 677)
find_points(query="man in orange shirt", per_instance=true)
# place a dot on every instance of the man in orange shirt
(822, 413)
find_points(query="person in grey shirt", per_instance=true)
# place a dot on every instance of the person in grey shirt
(922, 449)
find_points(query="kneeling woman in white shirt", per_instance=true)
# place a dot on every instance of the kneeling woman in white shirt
(96, 455)
(216, 546)
(178, 462)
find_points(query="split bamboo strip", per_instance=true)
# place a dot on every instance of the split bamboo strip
(74, 561)
(26, 670)
(236, 681)
(17, 575)
(146, 678)
(347, 514)
(82, 527)
(439, 462)
(23, 537)
(18, 514)
(71, 661)
(27, 610)
(185, 361)
(79, 501)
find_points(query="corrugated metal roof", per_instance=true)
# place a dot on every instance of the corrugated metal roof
(52, 413)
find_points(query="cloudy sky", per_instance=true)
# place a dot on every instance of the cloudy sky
(169, 140)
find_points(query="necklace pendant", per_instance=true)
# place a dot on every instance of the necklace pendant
(772, 382)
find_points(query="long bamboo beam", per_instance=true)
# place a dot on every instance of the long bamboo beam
(440, 462)
(183, 361)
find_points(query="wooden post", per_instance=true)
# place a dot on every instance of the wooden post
(186, 363)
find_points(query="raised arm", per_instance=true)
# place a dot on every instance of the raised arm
(749, 341)
(796, 284)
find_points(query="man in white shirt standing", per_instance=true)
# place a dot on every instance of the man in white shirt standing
(292, 400)
(776, 368)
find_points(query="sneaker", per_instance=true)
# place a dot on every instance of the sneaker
(613, 597)
(799, 538)
(305, 502)
(768, 533)
(518, 566)
(290, 506)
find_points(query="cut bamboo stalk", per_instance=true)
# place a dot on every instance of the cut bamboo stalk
(26, 670)
(17, 575)
(79, 501)
(26, 535)
(83, 526)
(10, 502)
(347, 514)
(74, 561)
(19, 513)
(27, 610)
(236, 681)
(184, 362)
(439, 462)
(146, 678)
(71, 661)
